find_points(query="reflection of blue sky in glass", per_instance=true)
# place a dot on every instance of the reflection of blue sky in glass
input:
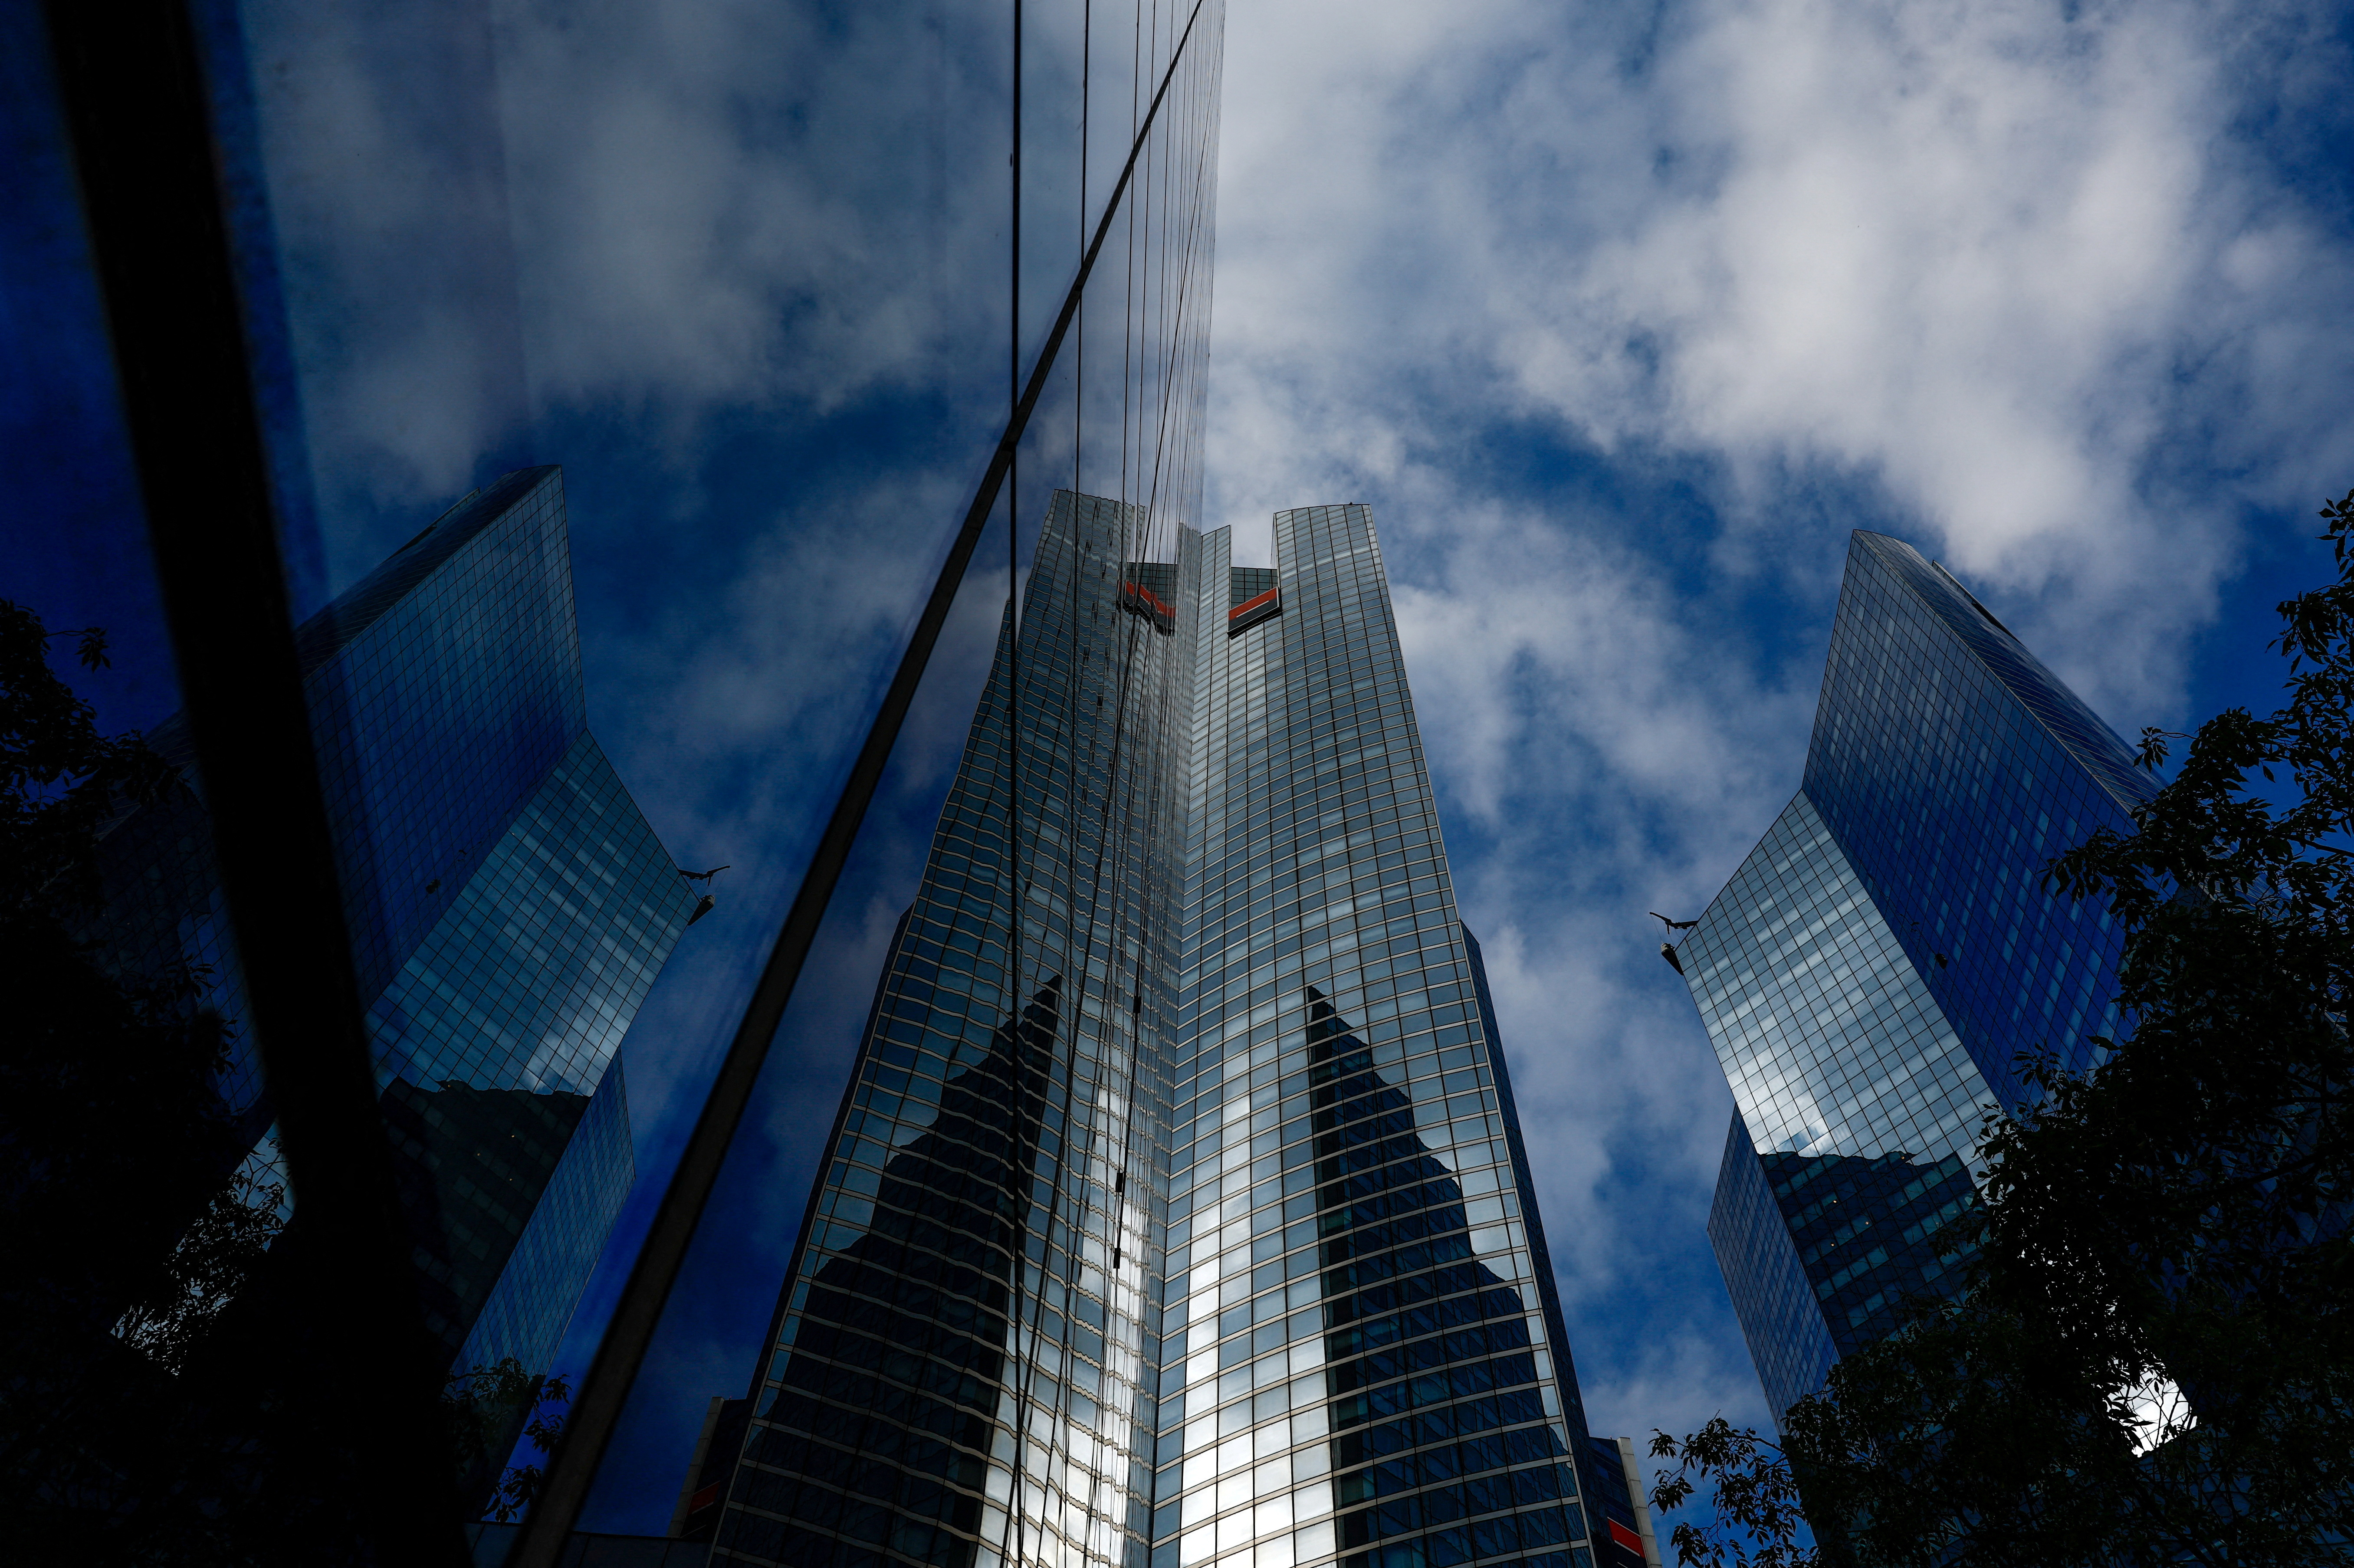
(1954, 766)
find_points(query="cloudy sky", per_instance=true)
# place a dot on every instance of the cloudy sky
(1622, 317)
(1619, 317)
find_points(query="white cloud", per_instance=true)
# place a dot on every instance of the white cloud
(495, 211)
(388, 189)
(1998, 262)
(1596, 762)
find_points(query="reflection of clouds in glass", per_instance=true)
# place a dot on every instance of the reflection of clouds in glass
(1826, 1033)
(1075, 1448)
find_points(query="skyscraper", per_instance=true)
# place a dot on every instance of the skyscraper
(1183, 1218)
(508, 905)
(1875, 967)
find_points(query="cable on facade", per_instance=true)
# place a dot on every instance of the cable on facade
(1026, 1403)
(1139, 531)
(1079, 363)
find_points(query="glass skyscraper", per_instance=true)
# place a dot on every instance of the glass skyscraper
(1877, 964)
(509, 908)
(1177, 1212)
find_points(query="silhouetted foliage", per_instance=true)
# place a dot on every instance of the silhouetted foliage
(2153, 1360)
(1755, 1518)
(486, 1406)
(1975, 1435)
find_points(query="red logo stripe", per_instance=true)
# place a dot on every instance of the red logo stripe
(1249, 605)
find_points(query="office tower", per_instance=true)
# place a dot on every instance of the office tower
(1185, 1218)
(1877, 964)
(508, 908)
(1425, 1312)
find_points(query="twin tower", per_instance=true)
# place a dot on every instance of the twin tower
(1177, 1212)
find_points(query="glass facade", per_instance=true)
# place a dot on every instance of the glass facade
(967, 1348)
(1878, 962)
(1185, 1219)
(509, 908)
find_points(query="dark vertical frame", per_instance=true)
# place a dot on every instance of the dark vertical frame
(139, 115)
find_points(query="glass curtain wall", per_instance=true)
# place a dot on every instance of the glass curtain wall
(1363, 1356)
(1186, 1218)
(509, 905)
(1874, 967)
(965, 1354)
(1122, 418)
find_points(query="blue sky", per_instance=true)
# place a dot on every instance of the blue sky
(1619, 317)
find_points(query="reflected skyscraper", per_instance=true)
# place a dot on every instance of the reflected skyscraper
(1877, 964)
(1177, 1212)
(508, 905)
